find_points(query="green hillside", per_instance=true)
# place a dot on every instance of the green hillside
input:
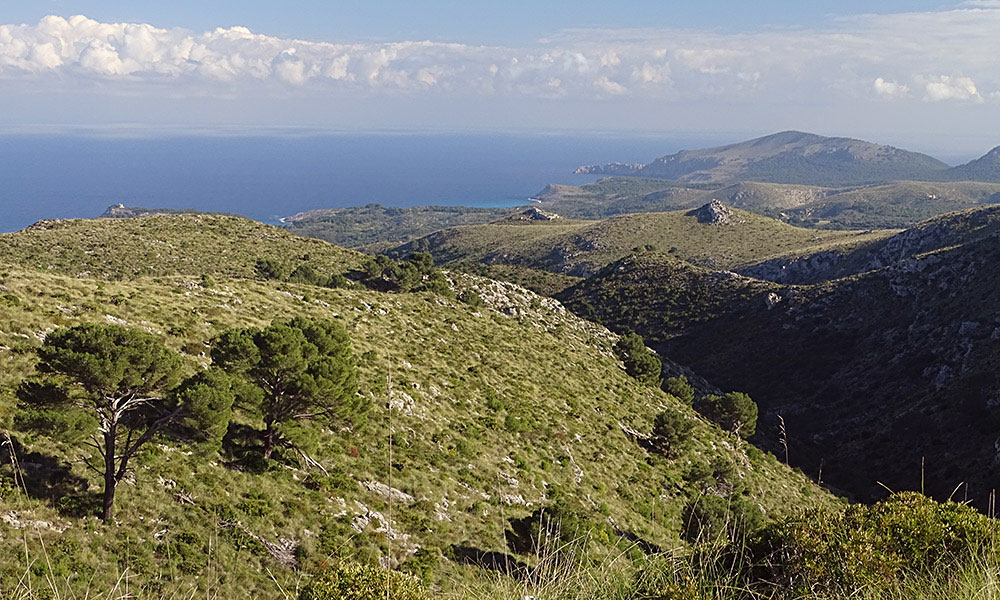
(871, 373)
(165, 245)
(945, 231)
(374, 227)
(580, 248)
(496, 410)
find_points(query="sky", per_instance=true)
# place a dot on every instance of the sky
(921, 74)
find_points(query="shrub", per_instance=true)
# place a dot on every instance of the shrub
(639, 361)
(710, 519)
(268, 268)
(362, 582)
(679, 388)
(734, 412)
(417, 274)
(672, 431)
(422, 564)
(549, 527)
(872, 545)
(338, 280)
(471, 298)
(306, 274)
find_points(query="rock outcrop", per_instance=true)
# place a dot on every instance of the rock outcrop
(714, 212)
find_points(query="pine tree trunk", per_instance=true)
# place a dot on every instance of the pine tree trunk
(270, 440)
(110, 479)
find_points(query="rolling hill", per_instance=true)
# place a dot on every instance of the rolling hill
(581, 248)
(496, 409)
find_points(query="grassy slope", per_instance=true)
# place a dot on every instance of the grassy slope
(164, 245)
(580, 248)
(510, 403)
(375, 227)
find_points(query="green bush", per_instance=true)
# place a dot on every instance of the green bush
(306, 274)
(639, 362)
(679, 388)
(735, 412)
(267, 268)
(671, 431)
(550, 527)
(417, 274)
(710, 519)
(873, 545)
(362, 582)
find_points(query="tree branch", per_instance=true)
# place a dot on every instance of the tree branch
(145, 437)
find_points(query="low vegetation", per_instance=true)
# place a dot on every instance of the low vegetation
(332, 427)
(376, 228)
(581, 248)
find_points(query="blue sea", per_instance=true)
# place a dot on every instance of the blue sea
(267, 177)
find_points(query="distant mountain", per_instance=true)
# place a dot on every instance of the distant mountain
(795, 157)
(985, 168)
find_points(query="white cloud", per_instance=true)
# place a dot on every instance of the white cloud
(610, 87)
(650, 73)
(890, 89)
(896, 56)
(945, 87)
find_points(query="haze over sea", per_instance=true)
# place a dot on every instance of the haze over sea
(266, 177)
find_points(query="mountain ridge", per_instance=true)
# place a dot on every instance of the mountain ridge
(796, 157)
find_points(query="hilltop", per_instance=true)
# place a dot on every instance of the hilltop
(498, 407)
(888, 357)
(183, 244)
(581, 248)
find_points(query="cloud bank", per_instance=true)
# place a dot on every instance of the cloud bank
(928, 57)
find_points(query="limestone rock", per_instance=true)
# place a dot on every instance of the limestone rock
(715, 213)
